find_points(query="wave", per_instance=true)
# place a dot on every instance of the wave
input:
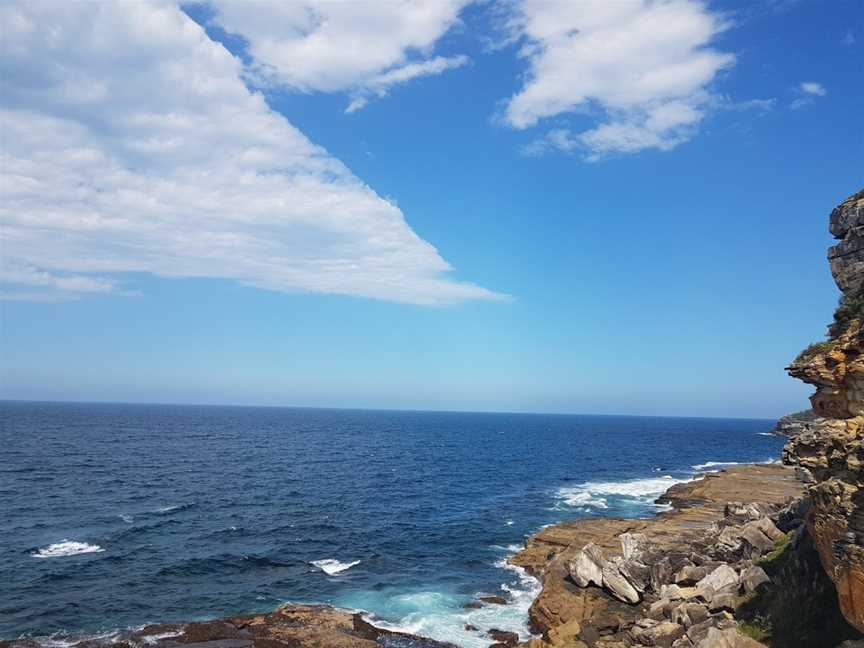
(331, 566)
(128, 519)
(175, 508)
(767, 434)
(66, 548)
(715, 464)
(443, 616)
(600, 495)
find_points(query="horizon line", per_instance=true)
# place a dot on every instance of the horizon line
(375, 409)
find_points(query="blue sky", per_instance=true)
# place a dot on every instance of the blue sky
(562, 207)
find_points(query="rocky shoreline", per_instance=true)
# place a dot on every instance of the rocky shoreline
(289, 626)
(758, 555)
(697, 575)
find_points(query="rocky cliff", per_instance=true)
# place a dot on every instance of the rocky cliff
(753, 556)
(829, 443)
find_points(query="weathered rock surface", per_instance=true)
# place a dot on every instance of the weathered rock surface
(290, 626)
(794, 424)
(830, 447)
(612, 582)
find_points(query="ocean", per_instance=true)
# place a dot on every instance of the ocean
(115, 515)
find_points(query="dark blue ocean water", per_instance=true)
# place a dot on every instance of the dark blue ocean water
(116, 515)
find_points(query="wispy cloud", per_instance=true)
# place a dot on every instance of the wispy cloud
(640, 70)
(131, 144)
(807, 91)
(813, 88)
(361, 48)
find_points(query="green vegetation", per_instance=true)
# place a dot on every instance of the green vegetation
(799, 606)
(810, 351)
(759, 628)
(848, 309)
(769, 559)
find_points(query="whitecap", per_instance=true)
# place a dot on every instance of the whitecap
(331, 566)
(509, 523)
(128, 519)
(598, 494)
(714, 464)
(767, 434)
(66, 548)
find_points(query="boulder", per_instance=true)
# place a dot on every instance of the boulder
(725, 599)
(633, 545)
(636, 573)
(587, 567)
(729, 541)
(687, 614)
(658, 633)
(727, 638)
(692, 574)
(718, 579)
(755, 538)
(503, 637)
(766, 526)
(752, 578)
(617, 585)
(661, 573)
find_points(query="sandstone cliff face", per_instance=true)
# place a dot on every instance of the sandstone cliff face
(831, 445)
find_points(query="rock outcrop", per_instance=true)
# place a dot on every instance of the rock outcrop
(829, 445)
(730, 564)
(733, 553)
(290, 626)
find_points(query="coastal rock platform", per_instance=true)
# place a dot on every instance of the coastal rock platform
(290, 626)
(727, 552)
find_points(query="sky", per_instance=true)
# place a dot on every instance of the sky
(587, 207)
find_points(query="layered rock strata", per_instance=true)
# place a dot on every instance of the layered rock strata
(695, 576)
(829, 446)
(290, 626)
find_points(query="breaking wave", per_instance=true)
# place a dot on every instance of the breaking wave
(66, 548)
(628, 493)
(331, 566)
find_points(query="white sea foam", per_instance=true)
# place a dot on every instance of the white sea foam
(66, 548)
(331, 566)
(599, 494)
(442, 616)
(155, 638)
(128, 519)
(767, 434)
(715, 464)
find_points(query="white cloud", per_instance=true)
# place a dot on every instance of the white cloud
(381, 84)
(813, 88)
(640, 69)
(131, 144)
(807, 91)
(363, 48)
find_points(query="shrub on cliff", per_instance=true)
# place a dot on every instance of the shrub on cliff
(849, 308)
